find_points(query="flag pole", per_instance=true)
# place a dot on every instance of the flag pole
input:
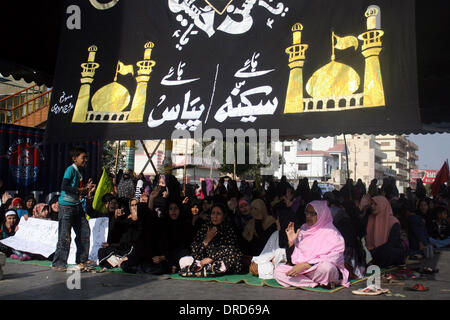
(348, 172)
(117, 70)
(333, 57)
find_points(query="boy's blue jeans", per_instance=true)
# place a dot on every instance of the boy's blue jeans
(72, 217)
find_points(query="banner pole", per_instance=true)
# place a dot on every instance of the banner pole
(117, 157)
(234, 165)
(346, 157)
(346, 161)
(184, 170)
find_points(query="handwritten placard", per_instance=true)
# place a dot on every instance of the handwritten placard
(39, 236)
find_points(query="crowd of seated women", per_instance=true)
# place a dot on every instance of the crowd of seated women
(299, 237)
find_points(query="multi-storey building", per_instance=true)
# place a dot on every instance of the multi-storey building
(365, 158)
(411, 157)
(396, 148)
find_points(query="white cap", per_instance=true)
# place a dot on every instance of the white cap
(10, 213)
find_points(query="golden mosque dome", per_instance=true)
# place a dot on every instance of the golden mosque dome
(111, 98)
(334, 79)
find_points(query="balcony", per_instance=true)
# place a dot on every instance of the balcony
(380, 154)
(412, 145)
(402, 173)
(379, 167)
(412, 156)
(402, 161)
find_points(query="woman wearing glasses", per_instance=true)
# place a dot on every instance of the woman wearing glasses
(318, 252)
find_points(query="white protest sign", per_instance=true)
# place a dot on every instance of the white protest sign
(99, 235)
(40, 236)
(35, 236)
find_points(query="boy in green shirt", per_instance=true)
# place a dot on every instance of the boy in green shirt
(71, 214)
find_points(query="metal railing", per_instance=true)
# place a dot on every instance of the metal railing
(20, 107)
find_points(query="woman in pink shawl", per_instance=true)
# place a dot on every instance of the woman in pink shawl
(318, 256)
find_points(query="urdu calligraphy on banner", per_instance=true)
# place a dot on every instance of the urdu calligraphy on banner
(142, 69)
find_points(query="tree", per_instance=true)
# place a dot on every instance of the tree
(246, 170)
(109, 156)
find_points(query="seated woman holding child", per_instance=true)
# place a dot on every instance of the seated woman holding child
(318, 251)
(214, 249)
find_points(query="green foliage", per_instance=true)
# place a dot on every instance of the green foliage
(109, 156)
(246, 170)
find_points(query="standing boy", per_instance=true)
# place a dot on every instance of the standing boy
(71, 214)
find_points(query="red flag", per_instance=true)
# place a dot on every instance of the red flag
(441, 177)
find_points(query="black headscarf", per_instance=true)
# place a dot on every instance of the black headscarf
(179, 232)
(285, 216)
(304, 190)
(53, 214)
(27, 198)
(174, 188)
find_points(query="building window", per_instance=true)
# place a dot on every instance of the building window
(287, 148)
(384, 144)
(303, 166)
(366, 164)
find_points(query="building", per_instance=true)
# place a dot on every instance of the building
(411, 157)
(365, 158)
(22, 103)
(396, 148)
(9, 86)
(317, 159)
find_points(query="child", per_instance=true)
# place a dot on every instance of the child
(71, 214)
(8, 229)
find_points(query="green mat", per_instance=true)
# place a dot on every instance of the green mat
(248, 278)
(255, 281)
(47, 263)
(232, 278)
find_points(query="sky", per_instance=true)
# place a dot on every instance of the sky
(434, 149)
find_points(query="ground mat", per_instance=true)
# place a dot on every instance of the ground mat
(248, 278)
(255, 281)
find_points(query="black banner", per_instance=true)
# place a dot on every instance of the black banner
(142, 69)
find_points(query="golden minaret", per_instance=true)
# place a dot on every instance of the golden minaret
(143, 76)
(87, 76)
(294, 95)
(371, 48)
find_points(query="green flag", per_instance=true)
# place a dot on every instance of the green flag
(104, 186)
